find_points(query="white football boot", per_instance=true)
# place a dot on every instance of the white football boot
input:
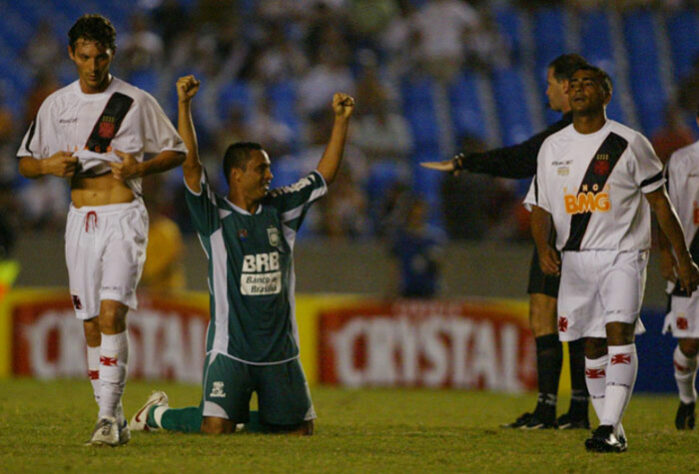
(138, 421)
(106, 432)
(124, 432)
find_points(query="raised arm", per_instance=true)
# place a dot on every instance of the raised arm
(187, 88)
(687, 271)
(343, 105)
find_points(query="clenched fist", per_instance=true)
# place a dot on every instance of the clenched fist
(343, 105)
(187, 87)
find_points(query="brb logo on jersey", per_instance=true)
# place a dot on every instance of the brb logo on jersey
(589, 199)
(261, 274)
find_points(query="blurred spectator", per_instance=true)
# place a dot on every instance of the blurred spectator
(688, 91)
(378, 132)
(7, 124)
(140, 49)
(442, 28)
(216, 12)
(477, 206)
(415, 248)
(164, 269)
(43, 86)
(280, 59)
(368, 18)
(43, 202)
(673, 136)
(277, 136)
(331, 74)
(398, 41)
(43, 47)
(343, 213)
(170, 18)
(319, 128)
(234, 129)
(8, 226)
(485, 48)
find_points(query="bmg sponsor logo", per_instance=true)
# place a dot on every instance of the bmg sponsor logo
(590, 199)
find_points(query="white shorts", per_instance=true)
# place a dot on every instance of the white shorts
(105, 252)
(682, 321)
(599, 287)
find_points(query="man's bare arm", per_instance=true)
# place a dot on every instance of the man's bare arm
(62, 164)
(668, 266)
(129, 168)
(343, 105)
(187, 88)
(549, 261)
(688, 273)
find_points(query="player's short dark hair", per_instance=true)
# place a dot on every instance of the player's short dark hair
(565, 65)
(600, 75)
(237, 156)
(93, 27)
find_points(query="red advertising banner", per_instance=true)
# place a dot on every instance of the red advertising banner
(436, 344)
(166, 337)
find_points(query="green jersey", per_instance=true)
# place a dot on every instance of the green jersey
(251, 269)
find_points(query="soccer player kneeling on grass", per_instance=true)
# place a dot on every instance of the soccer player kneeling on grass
(591, 179)
(683, 318)
(248, 237)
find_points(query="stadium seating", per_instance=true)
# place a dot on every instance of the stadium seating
(511, 100)
(683, 31)
(146, 79)
(648, 93)
(466, 110)
(467, 107)
(420, 112)
(510, 26)
(282, 98)
(234, 94)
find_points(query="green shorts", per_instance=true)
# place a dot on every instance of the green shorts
(282, 391)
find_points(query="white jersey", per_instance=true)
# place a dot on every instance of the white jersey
(683, 188)
(92, 126)
(593, 185)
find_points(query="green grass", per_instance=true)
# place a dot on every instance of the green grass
(43, 426)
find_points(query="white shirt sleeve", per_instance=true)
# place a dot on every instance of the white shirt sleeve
(541, 198)
(530, 198)
(40, 140)
(672, 179)
(158, 132)
(645, 166)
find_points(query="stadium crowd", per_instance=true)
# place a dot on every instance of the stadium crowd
(269, 69)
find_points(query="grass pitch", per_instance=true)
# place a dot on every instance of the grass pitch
(43, 426)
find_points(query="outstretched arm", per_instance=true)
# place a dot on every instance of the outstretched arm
(187, 88)
(515, 162)
(343, 105)
(688, 273)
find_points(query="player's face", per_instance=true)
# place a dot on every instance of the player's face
(92, 61)
(556, 91)
(586, 93)
(257, 176)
